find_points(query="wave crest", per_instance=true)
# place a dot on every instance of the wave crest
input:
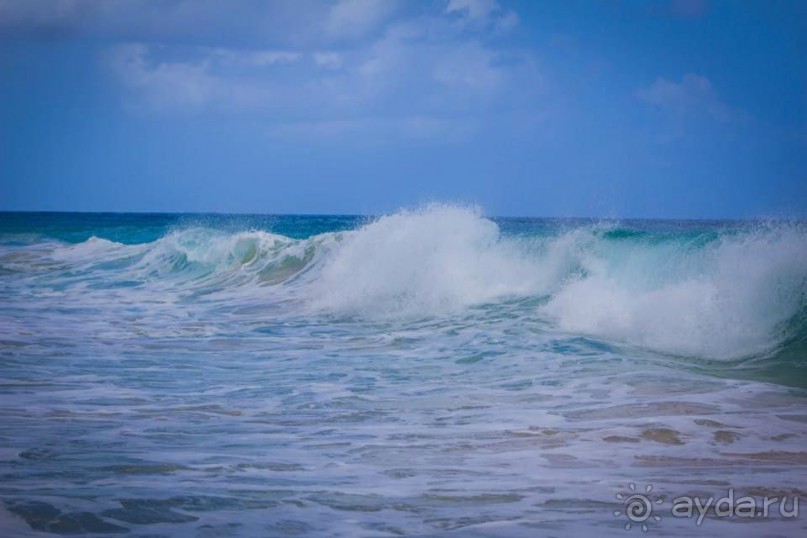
(730, 297)
(719, 292)
(422, 263)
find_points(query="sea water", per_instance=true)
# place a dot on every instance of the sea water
(429, 372)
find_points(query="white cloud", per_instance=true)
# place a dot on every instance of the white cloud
(694, 95)
(507, 21)
(166, 84)
(257, 58)
(328, 60)
(483, 13)
(473, 9)
(420, 77)
(469, 67)
(356, 18)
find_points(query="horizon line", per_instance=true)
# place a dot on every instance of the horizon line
(378, 215)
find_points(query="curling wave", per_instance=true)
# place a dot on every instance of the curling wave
(718, 292)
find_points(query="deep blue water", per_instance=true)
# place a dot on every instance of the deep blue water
(426, 373)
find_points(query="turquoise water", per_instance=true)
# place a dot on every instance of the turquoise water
(429, 372)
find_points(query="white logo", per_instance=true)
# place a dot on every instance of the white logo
(638, 507)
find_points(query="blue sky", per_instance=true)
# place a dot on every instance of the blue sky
(667, 108)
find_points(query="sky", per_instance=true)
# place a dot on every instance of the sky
(573, 108)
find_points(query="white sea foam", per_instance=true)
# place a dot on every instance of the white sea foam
(728, 298)
(720, 294)
(422, 263)
(163, 386)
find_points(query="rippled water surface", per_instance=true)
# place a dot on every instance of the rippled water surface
(426, 373)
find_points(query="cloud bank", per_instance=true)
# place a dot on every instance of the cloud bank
(367, 67)
(694, 95)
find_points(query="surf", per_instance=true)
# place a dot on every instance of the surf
(718, 290)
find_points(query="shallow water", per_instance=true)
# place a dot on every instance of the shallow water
(428, 373)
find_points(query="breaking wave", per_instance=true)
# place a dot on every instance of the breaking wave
(730, 292)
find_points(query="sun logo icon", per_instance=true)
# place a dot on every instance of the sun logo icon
(638, 507)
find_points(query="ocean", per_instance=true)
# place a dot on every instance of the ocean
(432, 372)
